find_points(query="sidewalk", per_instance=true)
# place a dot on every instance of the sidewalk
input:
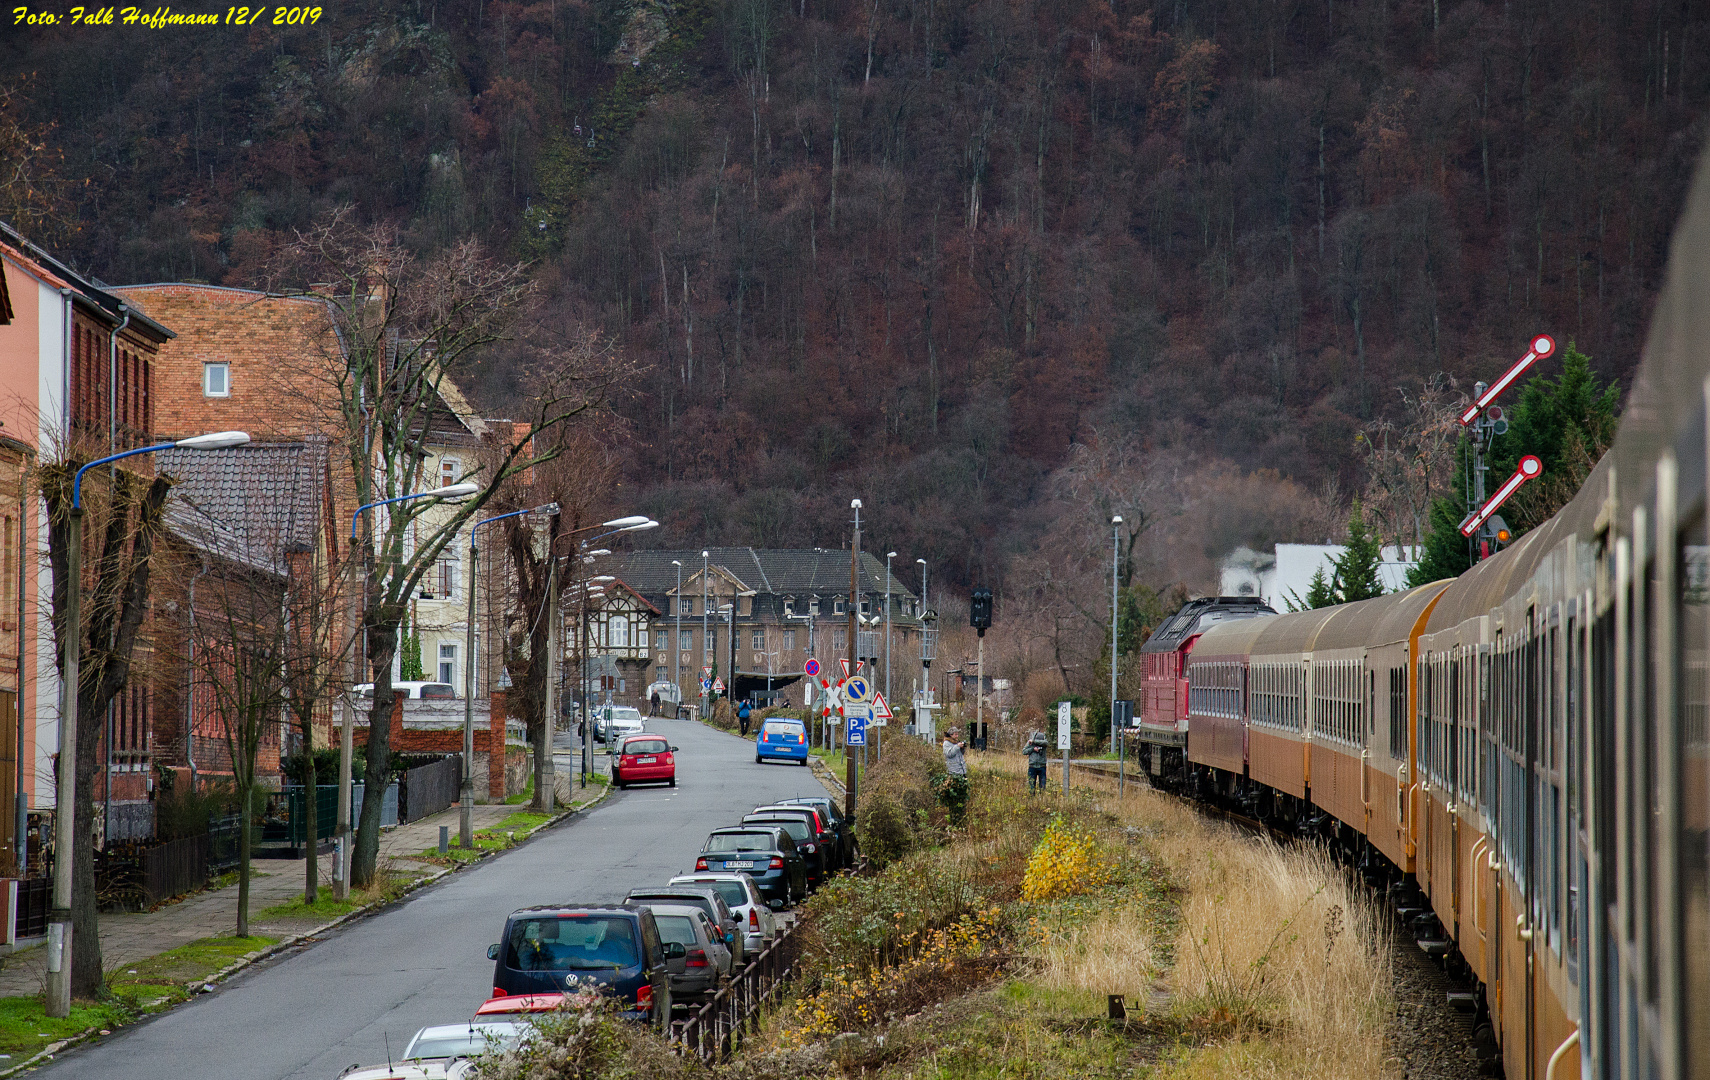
(127, 937)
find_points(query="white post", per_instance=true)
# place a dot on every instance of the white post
(1115, 735)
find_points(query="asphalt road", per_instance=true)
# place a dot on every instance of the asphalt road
(314, 1011)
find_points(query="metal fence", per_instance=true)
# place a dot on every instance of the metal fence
(428, 789)
(174, 867)
(720, 1026)
(35, 896)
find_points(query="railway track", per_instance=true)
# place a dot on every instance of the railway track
(1431, 1037)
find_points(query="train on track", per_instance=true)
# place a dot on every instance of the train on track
(1519, 756)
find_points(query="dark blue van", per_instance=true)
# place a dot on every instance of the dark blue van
(559, 949)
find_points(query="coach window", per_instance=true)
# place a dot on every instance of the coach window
(1693, 732)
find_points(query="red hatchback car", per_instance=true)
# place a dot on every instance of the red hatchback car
(644, 759)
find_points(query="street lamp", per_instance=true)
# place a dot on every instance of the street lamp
(466, 797)
(451, 491)
(705, 647)
(676, 652)
(879, 744)
(925, 663)
(1115, 734)
(65, 783)
(632, 523)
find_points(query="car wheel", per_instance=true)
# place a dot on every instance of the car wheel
(673, 781)
(756, 759)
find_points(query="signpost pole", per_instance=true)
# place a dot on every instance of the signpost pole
(1065, 719)
(851, 774)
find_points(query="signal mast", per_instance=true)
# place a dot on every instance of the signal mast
(1484, 420)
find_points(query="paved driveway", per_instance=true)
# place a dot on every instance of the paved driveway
(315, 1011)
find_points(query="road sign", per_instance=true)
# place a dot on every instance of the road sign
(1530, 468)
(718, 686)
(1065, 720)
(705, 686)
(882, 714)
(811, 667)
(1542, 346)
(857, 735)
(857, 689)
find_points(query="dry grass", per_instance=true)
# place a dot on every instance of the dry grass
(1112, 954)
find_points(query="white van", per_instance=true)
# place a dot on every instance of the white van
(441, 691)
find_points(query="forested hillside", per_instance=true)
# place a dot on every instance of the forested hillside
(995, 266)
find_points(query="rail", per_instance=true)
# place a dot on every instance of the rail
(718, 1028)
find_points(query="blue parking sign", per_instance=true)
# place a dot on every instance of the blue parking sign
(857, 728)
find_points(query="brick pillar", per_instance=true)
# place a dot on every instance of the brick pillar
(397, 727)
(496, 747)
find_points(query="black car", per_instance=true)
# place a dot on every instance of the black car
(825, 837)
(847, 848)
(801, 831)
(765, 853)
(705, 897)
(568, 949)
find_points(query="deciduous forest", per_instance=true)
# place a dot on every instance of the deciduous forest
(998, 267)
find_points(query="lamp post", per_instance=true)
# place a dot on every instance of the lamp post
(632, 523)
(588, 592)
(65, 783)
(1115, 734)
(677, 639)
(925, 663)
(346, 741)
(466, 797)
(706, 647)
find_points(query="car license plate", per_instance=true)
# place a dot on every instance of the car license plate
(647, 760)
(739, 864)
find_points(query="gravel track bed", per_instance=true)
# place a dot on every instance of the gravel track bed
(1429, 1039)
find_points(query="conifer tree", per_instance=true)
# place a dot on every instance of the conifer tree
(1356, 576)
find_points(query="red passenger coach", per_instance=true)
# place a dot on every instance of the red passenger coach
(1162, 730)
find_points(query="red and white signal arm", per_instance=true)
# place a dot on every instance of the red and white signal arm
(1542, 346)
(1530, 469)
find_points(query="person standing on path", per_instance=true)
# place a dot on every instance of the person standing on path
(742, 714)
(955, 757)
(654, 701)
(1036, 762)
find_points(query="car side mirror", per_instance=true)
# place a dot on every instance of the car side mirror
(674, 749)
(775, 905)
(492, 952)
(675, 950)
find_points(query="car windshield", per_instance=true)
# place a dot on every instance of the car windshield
(780, 727)
(746, 841)
(571, 943)
(626, 714)
(645, 746)
(437, 690)
(677, 928)
(475, 1039)
(797, 829)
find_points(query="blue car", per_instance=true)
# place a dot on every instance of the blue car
(782, 738)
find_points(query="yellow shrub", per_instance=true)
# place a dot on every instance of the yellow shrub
(1065, 863)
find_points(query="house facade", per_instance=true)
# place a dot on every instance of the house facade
(77, 374)
(770, 609)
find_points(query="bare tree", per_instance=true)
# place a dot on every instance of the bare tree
(397, 330)
(123, 515)
(1410, 462)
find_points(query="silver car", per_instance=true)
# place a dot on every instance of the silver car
(742, 896)
(463, 1040)
(696, 975)
(613, 723)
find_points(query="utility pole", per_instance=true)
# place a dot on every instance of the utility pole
(677, 649)
(548, 774)
(879, 746)
(851, 775)
(706, 646)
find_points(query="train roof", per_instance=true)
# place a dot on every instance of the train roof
(1196, 616)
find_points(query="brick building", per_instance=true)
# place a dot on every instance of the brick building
(78, 374)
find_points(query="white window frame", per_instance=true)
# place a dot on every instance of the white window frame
(225, 369)
(448, 659)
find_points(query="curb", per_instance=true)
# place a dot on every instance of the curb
(823, 771)
(46, 1053)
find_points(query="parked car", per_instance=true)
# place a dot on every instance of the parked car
(783, 739)
(706, 960)
(824, 836)
(847, 845)
(705, 897)
(415, 689)
(644, 759)
(802, 833)
(451, 1069)
(613, 722)
(465, 1040)
(742, 896)
(765, 853)
(570, 948)
(670, 696)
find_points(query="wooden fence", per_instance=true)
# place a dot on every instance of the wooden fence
(719, 1027)
(174, 867)
(428, 789)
